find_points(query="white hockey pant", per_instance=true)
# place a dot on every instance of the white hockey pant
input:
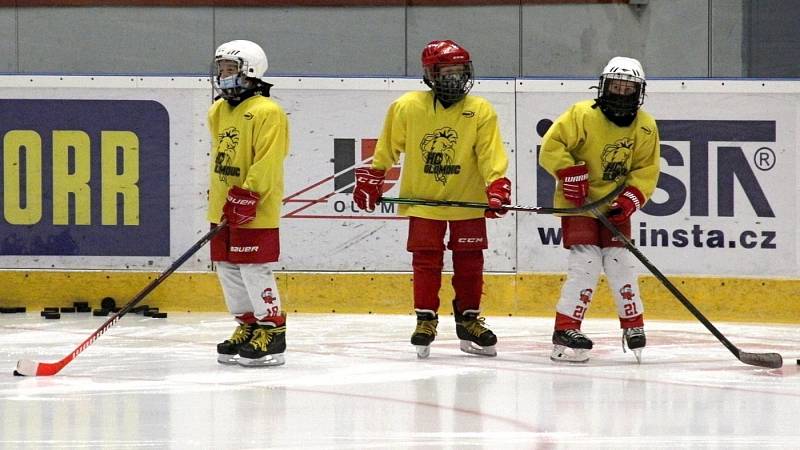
(584, 265)
(621, 274)
(250, 288)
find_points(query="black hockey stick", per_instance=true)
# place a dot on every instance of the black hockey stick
(534, 209)
(27, 367)
(771, 360)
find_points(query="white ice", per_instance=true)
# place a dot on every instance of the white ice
(354, 382)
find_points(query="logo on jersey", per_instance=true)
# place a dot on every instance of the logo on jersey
(248, 116)
(468, 114)
(226, 149)
(438, 151)
(615, 159)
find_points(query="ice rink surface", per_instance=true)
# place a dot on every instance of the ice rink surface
(354, 382)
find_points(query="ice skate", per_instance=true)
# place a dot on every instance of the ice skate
(425, 332)
(475, 338)
(635, 340)
(577, 343)
(266, 347)
(228, 350)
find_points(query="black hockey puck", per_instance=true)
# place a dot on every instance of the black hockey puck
(159, 315)
(108, 303)
(21, 309)
(100, 312)
(149, 312)
(798, 362)
(83, 310)
(80, 304)
(52, 315)
(140, 309)
(17, 374)
(68, 309)
(50, 309)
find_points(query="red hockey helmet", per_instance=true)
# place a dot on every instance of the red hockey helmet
(449, 85)
(444, 52)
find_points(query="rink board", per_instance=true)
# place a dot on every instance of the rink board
(524, 294)
(116, 172)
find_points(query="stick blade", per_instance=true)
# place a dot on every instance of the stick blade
(29, 368)
(26, 368)
(771, 360)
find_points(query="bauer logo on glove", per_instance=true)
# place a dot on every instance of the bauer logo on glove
(240, 206)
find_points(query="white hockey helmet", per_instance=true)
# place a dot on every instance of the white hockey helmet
(251, 62)
(622, 86)
(623, 65)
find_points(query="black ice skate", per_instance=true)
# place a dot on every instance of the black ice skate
(266, 347)
(574, 340)
(425, 332)
(635, 339)
(228, 350)
(475, 337)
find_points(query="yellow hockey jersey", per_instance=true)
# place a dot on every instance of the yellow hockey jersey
(249, 144)
(612, 154)
(449, 153)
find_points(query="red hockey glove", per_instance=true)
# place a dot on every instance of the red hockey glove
(575, 181)
(498, 193)
(240, 206)
(630, 200)
(369, 187)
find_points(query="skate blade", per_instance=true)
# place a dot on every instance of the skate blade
(475, 349)
(227, 359)
(637, 352)
(264, 361)
(575, 355)
(423, 351)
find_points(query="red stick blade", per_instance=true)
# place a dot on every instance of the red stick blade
(29, 368)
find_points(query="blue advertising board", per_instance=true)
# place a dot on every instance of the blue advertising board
(85, 178)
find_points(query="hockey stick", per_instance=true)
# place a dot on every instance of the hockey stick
(27, 367)
(534, 209)
(771, 360)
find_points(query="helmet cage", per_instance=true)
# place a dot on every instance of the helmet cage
(615, 102)
(231, 87)
(449, 86)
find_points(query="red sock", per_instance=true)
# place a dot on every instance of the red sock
(566, 323)
(428, 267)
(468, 278)
(632, 322)
(247, 318)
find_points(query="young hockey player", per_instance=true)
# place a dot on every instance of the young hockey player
(589, 149)
(453, 151)
(250, 140)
